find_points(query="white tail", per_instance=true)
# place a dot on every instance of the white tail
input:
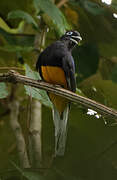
(60, 130)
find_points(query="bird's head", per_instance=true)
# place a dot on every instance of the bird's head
(73, 37)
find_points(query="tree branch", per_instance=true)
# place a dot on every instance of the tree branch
(14, 77)
(21, 146)
(11, 68)
(35, 142)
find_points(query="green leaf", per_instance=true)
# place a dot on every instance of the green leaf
(92, 7)
(17, 42)
(23, 15)
(114, 6)
(54, 13)
(41, 95)
(86, 59)
(27, 174)
(113, 75)
(18, 39)
(79, 92)
(3, 90)
(74, 2)
(11, 48)
(4, 26)
(33, 176)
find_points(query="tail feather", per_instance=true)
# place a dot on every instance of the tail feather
(60, 124)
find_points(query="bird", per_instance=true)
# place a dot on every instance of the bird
(55, 65)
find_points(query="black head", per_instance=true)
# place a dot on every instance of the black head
(73, 36)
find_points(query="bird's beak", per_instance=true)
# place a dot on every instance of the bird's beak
(76, 39)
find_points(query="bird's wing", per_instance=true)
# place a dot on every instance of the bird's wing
(69, 69)
(38, 65)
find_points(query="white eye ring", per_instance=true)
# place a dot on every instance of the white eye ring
(69, 33)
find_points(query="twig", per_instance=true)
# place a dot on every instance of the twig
(14, 77)
(61, 3)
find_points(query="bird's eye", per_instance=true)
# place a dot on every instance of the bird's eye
(69, 33)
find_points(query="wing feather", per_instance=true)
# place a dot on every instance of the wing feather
(69, 69)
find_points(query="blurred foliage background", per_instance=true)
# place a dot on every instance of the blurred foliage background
(26, 28)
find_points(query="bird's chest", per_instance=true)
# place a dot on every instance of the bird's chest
(51, 67)
(54, 75)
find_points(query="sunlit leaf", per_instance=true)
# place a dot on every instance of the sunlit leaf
(41, 95)
(54, 13)
(3, 90)
(23, 15)
(4, 26)
(79, 92)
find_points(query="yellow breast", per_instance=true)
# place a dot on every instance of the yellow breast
(55, 75)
